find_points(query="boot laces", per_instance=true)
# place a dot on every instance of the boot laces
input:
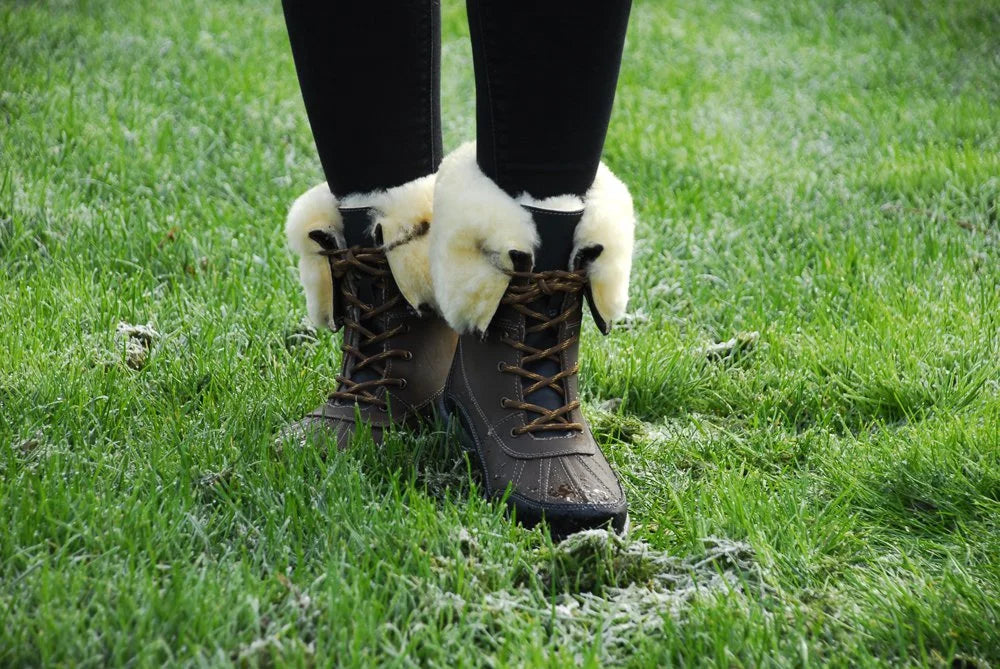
(363, 344)
(525, 289)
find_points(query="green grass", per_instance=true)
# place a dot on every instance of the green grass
(825, 174)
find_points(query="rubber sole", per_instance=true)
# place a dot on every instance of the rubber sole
(561, 521)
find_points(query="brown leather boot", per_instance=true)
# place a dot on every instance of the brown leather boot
(363, 263)
(512, 275)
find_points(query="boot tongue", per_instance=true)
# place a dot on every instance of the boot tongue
(555, 232)
(358, 233)
(357, 226)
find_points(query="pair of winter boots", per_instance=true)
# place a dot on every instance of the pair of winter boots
(457, 299)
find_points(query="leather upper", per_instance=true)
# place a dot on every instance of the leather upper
(417, 355)
(548, 468)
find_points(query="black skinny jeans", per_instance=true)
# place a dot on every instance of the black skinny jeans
(545, 70)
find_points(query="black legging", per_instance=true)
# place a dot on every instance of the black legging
(546, 72)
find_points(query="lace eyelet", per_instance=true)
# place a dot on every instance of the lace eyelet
(408, 356)
(503, 402)
(402, 384)
(502, 366)
(513, 432)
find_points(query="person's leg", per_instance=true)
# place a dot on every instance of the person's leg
(545, 83)
(369, 73)
(529, 225)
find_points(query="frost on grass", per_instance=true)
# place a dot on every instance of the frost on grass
(605, 585)
(293, 634)
(610, 405)
(304, 335)
(137, 342)
(450, 474)
(733, 348)
(633, 319)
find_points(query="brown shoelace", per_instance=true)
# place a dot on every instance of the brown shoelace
(348, 266)
(524, 289)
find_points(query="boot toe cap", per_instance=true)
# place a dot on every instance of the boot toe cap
(571, 493)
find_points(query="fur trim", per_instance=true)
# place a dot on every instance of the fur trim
(608, 221)
(477, 225)
(315, 210)
(402, 213)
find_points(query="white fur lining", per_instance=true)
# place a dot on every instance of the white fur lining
(403, 213)
(316, 209)
(608, 220)
(477, 224)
